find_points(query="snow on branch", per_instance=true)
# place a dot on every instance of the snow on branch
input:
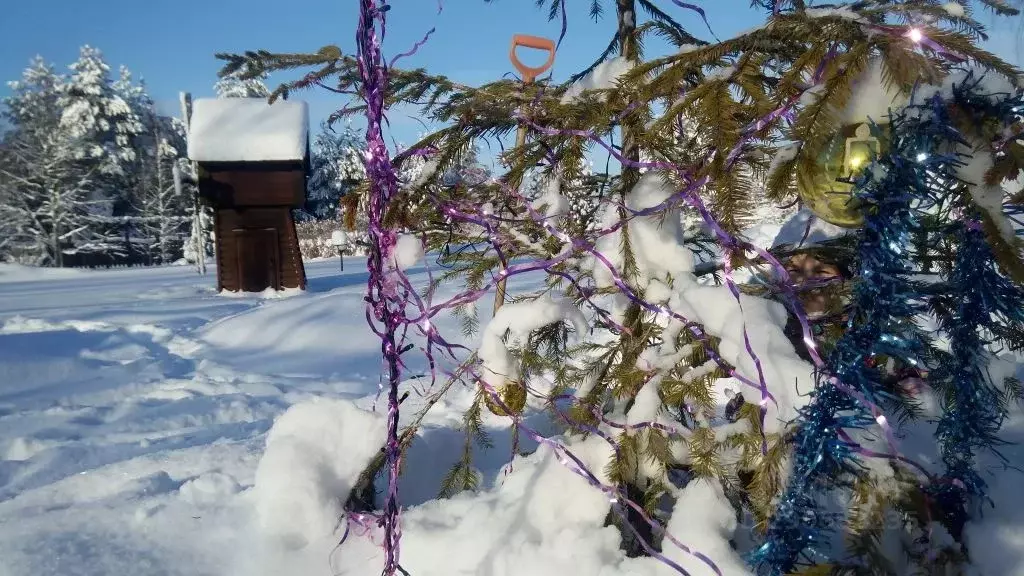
(520, 319)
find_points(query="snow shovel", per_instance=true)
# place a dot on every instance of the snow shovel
(528, 74)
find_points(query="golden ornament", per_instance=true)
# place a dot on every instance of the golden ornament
(854, 147)
(843, 159)
(513, 394)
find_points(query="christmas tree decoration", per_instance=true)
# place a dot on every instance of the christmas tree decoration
(916, 175)
(882, 324)
(860, 137)
(846, 156)
(980, 305)
(513, 395)
(973, 405)
(386, 306)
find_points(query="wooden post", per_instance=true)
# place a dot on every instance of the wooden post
(502, 286)
(197, 203)
(528, 74)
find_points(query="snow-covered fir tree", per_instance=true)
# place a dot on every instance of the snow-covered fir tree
(772, 111)
(201, 233)
(89, 173)
(52, 199)
(103, 127)
(161, 207)
(335, 168)
(100, 122)
(234, 86)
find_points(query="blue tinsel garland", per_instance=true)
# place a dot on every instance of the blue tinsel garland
(972, 404)
(885, 302)
(917, 172)
(983, 300)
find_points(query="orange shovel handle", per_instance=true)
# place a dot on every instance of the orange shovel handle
(530, 72)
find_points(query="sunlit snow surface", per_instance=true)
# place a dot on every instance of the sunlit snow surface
(135, 407)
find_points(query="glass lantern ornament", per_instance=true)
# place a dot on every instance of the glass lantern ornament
(860, 151)
(863, 135)
(830, 195)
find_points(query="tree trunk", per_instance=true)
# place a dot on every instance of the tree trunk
(630, 174)
(199, 235)
(58, 254)
(163, 236)
(628, 49)
(631, 344)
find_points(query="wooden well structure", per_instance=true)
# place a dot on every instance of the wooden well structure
(253, 161)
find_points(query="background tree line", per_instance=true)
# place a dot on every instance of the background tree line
(88, 162)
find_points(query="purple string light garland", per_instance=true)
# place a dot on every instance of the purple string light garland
(727, 241)
(618, 500)
(390, 292)
(385, 304)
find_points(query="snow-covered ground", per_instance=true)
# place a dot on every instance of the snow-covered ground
(135, 407)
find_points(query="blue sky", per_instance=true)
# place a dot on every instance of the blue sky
(171, 43)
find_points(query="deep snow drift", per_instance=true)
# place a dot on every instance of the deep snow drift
(136, 413)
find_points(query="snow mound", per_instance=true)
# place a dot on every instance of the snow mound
(266, 294)
(657, 239)
(519, 319)
(541, 519)
(294, 336)
(988, 197)
(209, 488)
(763, 320)
(551, 200)
(157, 483)
(954, 9)
(408, 252)
(20, 449)
(705, 499)
(115, 348)
(314, 455)
(248, 130)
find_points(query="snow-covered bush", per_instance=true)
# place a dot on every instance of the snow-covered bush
(315, 239)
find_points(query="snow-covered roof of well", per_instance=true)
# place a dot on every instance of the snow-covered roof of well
(247, 130)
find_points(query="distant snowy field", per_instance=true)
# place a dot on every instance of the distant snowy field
(135, 407)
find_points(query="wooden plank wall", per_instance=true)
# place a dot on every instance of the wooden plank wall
(292, 272)
(291, 254)
(226, 252)
(253, 187)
